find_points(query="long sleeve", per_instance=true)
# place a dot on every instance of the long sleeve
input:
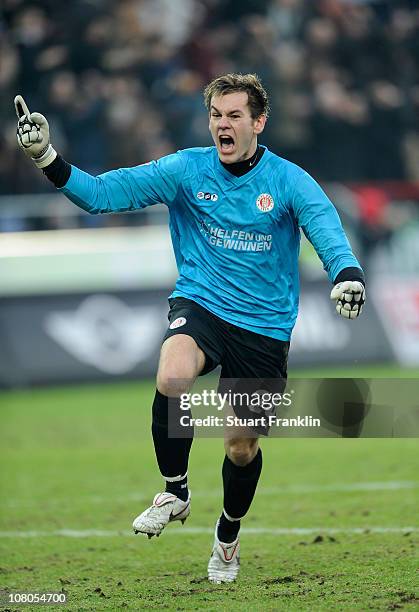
(320, 222)
(126, 189)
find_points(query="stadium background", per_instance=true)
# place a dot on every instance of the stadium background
(83, 299)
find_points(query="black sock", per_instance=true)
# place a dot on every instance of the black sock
(227, 530)
(239, 489)
(172, 453)
(178, 488)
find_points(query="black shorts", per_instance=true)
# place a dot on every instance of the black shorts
(240, 352)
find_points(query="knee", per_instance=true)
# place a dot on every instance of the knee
(181, 360)
(172, 382)
(241, 451)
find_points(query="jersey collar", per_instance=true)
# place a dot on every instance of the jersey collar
(239, 180)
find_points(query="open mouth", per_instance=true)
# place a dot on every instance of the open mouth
(226, 144)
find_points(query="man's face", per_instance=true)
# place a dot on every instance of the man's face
(232, 127)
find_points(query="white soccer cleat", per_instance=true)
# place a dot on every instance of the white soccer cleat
(166, 508)
(224, 563)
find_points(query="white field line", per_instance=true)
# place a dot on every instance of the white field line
(298, 531)
(298, 489)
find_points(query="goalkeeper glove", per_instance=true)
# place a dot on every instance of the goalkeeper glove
(349, 297)
(33, 135)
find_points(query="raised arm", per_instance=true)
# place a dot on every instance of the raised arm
(112, 192)
(127, 188)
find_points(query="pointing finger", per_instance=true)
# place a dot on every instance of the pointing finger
(21, 108)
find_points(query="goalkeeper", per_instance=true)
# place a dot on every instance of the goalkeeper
(236, 210)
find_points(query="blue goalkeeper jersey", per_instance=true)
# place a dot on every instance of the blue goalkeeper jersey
(236, 239)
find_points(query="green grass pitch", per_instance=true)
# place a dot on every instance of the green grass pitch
(333, 526)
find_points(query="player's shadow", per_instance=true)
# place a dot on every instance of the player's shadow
(343, 404)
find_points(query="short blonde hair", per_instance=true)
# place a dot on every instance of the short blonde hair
(230, 83)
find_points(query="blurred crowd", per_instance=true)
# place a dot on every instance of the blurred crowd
(121, 81)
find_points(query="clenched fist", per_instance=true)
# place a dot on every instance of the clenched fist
(349, 297)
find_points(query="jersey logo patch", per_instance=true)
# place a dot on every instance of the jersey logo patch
(201, 195)
(177, 323)
(265, 202)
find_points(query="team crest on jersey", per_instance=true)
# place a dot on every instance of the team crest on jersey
(177, 323)
(265, 202)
